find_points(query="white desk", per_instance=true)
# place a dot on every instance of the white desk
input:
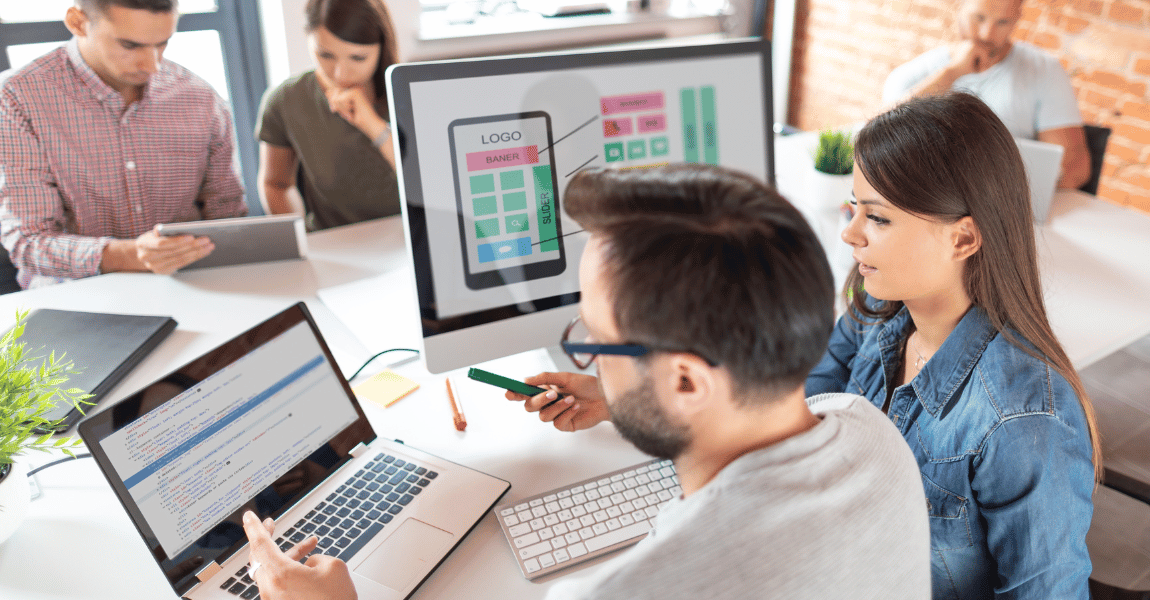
(79, 543)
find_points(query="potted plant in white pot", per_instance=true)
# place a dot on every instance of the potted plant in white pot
(832, 177)
(30, 384)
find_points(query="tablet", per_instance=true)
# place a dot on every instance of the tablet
(245, 240)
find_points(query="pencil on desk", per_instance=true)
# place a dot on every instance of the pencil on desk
(456, 409)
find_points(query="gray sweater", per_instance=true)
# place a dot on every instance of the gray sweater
(835, 512)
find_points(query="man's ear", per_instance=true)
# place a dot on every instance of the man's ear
(689, 382)
(965, 237)
(77, 21)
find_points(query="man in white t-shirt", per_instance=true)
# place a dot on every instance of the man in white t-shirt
(1027, 88)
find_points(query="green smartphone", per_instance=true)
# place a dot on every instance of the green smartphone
(503, 382)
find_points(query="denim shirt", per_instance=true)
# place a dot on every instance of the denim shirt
(1003, 446)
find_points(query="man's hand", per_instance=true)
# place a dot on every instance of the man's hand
(167, 254)
(280, 576)
(581, 406)
(970, 56)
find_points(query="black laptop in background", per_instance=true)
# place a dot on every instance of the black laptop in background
(103, 348)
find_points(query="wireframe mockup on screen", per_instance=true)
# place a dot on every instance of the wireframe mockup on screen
(487, 147)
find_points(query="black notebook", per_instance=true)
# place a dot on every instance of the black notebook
(103, 347)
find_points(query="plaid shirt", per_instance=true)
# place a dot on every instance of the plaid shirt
(78, 168)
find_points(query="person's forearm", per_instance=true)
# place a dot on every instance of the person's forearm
(275, 198)
(937, 83)
(121, 255)
(1075, 172)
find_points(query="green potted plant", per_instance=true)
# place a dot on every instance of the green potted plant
(30, 384)
(832, 177)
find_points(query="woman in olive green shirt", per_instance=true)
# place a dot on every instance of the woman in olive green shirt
(325, 133)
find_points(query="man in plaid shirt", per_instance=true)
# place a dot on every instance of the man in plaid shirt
(101, 140)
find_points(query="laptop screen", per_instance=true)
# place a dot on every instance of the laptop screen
(253, 425)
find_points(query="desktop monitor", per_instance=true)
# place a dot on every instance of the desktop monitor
(486, 147)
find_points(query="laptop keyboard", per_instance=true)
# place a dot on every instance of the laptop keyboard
(573, 524)
(352, 515)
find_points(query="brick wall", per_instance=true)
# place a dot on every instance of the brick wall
(844, 50)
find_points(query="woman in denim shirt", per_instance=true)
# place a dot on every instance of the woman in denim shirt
(950, 339)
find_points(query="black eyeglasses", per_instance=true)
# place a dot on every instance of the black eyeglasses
(583, 354)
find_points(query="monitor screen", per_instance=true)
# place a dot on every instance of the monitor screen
(487, 146)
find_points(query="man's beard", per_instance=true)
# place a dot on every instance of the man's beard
(641, 420)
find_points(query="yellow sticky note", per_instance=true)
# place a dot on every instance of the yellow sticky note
(385, 387)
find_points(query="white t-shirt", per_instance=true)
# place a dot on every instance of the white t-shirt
(1029, 90)
(835, 512)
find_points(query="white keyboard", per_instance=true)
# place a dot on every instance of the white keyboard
(575, 523)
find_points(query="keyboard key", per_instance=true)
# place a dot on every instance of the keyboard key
(343, 543)
(390, 470)
(369, 477)
(337, 533)
(415, 491)
(319, 520)
(412, 478)
(546, 533)
(359, 484)
(559, 529)
(237, 588)
(250, 593)
(308, 528)
(531, 565)
(558, 541)
(572, 538)
(359, 542)
(409, 467)
(363, 495)
(619, 535)
(519, 529)
(298, 537)
(365, 507)
(357, 514)
(546, 560)
(395, 509)
(431, 475)
(527, 540)
(229, 583)
(551, 520)
(599, 528)
(535, 550)
(536, 524)
(421, 471)
(343, 512)
(340, 501)
(402, 488)
(332, 551)
(576, 550)
(552, 507)
(376, 497)
(386, 518)
(397, 478)
(423, 482)
(323, 530)
(354, 532)
(346, 523)
(378, 467)
(612, 524)
(373, 514)
(325, 542)
(538, 511)
(392, 497)
(373, 486)
(363, 523)
(399, 463)
(330, 509)
(561, 556)
(387, 458)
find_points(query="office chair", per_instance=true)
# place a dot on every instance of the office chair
(1096, 139)
(7, 274)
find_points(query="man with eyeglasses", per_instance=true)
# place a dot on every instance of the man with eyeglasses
(706, 299)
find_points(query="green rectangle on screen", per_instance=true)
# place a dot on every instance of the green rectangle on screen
(710, 126)
(510, 180)
(486, 228)
(545, 200)
(690, 126)
(515, 201)
(482, 184)
(484, 206)
(516, 223)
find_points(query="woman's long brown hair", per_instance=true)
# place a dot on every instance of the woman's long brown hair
(946, 157)
(359, 22)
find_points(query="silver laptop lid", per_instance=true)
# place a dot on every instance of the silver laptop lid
(1043, 167)
(255, 424)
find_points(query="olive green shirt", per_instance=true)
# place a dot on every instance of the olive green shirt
(343, 178)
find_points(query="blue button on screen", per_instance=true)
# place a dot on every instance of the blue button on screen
(507, 249)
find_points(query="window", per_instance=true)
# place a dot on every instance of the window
(219, 40)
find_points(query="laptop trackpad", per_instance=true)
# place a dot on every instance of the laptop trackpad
(408, 554)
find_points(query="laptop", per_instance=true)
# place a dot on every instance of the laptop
(267, 422)
(1043, 167)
